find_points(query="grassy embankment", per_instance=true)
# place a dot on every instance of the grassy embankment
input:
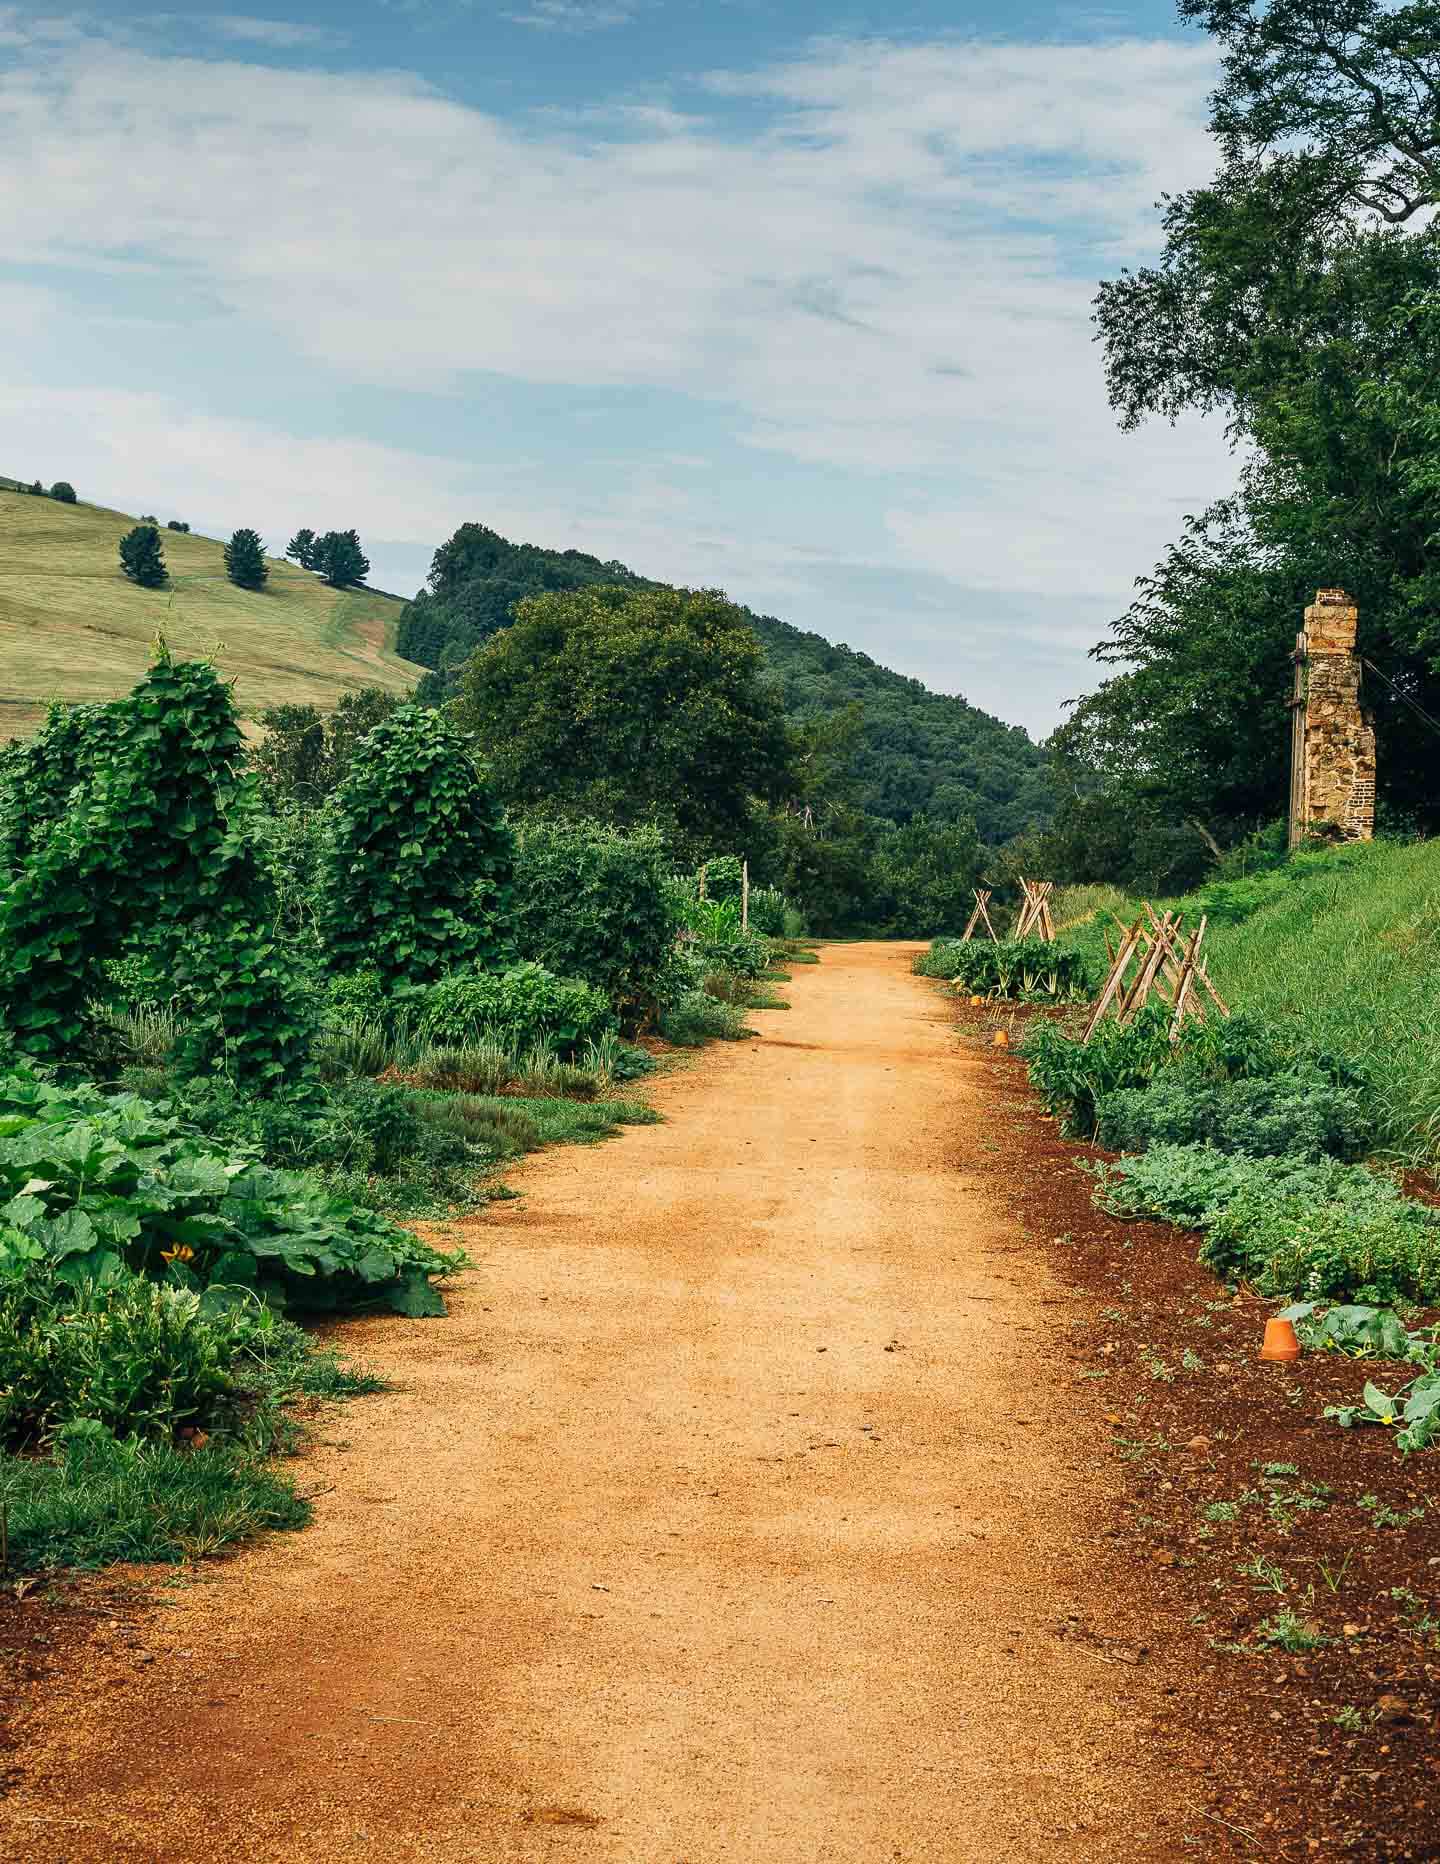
(1336, 950)
(73, 627)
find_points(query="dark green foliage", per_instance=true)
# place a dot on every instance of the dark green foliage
(302, 548)
(39, 775)
(151, 855)
(98, 1185)
(631, 706)
(174, 524)
(519, 1007)
(62, 489)
(141, 557)
(306, 753)
(1302, 1114)
(339, 559)
(138, 1358)
(1322, 1229)
(1072, 1076)
(417, 877)
(1022, 971)
(907, 751)
(694, 1018)
(476, 581)
(922, 875)
(593, 902)
(245, 559)
(37, 490)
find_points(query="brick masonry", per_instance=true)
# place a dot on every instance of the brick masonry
(1339, 741)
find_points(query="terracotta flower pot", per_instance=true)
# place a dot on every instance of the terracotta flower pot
(1281, 1343)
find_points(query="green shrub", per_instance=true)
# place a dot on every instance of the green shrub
(695, 1018)
(1024, 971)
(1300, 1114)
(594, 903)
(417, 870)
(518, 1007)
(1072, 1076)
(771, 912)
(350, 1050)
(485, 1066)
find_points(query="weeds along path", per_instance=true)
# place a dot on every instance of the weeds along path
(731, 1517)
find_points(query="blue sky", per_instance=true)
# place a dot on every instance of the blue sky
(789, 299)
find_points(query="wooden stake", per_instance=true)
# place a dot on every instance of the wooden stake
(1115, 979)
(745, 896)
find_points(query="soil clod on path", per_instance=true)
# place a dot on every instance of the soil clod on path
(735, 1514)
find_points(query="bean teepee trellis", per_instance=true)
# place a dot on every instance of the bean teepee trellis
(981, 913)
(1035, 910)
(1166, 964)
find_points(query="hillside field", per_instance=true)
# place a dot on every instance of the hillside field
(73, 627)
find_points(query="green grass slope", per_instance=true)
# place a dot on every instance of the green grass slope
(1342, 949)
(73, 627)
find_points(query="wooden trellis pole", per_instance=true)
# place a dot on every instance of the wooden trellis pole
(1035, 913)
(981, 912)
(1174, 971)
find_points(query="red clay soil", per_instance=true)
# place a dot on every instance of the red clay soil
(753, 1505)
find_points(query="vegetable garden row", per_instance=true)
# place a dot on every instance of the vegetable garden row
(236, 1045)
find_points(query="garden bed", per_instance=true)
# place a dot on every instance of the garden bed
(1248, 1527)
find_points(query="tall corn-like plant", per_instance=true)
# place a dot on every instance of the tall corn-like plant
(417, 878)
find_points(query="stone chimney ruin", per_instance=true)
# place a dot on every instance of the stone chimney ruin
(1332, 763)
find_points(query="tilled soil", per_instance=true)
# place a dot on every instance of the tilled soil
(743, 1510)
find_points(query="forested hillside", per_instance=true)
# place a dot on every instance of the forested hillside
(912, 752)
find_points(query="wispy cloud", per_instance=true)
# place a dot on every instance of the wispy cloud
(282, 34)
(574, 15)
(881, 268)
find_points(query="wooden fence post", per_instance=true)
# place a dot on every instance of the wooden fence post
(745, 896)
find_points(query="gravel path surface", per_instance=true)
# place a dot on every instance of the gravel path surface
(730, 1517)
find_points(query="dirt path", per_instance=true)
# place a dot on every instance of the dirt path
(730, 1517)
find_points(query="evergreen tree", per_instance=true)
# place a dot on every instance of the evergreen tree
(64, 491)
(37, 489)
(141, 557)
(245, 560)
(302, 548)
(340, 560)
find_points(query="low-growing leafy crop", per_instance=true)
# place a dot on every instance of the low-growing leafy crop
(1072, 1076)
(94, 1185)
(1317, 1228)
(517, 1007)
(1300, 1114)
(1023, 971)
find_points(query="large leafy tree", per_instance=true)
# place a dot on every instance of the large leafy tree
(631, 705)
(1296, 296)
(306, 753)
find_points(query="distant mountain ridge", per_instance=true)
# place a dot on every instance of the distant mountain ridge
(918, 752)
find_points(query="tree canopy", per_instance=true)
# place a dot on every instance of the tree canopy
(630, 706)
(1297, 295)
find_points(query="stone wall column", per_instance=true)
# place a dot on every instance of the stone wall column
(1337, 776)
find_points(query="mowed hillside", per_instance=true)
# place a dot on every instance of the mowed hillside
(73, 627)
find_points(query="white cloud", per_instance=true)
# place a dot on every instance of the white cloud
(573, 15)
(283, 34)
(885, 266)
